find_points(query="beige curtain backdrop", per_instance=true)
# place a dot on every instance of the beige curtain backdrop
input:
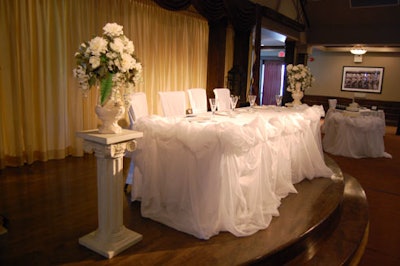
(41, 106)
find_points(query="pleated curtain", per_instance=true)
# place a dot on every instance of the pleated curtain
(41, 106)
(272, 81)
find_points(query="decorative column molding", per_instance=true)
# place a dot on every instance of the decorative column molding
(109, 151)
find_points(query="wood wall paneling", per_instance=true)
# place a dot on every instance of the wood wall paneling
(391, 109)
(216, 56)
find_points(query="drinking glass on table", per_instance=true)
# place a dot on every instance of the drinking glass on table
(252, 101)
(278, 99)
(234, 100)
(213, 106)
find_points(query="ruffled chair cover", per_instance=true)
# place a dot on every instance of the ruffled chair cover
(173, 103)
(137, 109)
(223, 98)
(198, 100)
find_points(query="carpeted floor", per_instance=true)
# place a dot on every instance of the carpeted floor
(380, 178)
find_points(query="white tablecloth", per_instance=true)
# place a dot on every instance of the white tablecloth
(361, 112)
(203, 176)
(357, 135)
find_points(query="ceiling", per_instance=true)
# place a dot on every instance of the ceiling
(340, 24)
(271, 38)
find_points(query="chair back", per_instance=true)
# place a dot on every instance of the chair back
(332, 103)
(138, 107)
(173, 103)
(197, 100)
(223, 98)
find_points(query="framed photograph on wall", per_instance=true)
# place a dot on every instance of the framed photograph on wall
(362, 79)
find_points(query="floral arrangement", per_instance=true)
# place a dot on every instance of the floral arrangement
(299, 73)
(108, 61)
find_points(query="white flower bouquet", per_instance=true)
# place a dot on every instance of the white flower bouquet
(110, 62)
(299, 73)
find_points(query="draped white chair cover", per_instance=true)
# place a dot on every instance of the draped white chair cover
(228, 174)
(173, 103)
(198, 100)
(223, 98)
(332, 103)
(354, 136)
(137, 109)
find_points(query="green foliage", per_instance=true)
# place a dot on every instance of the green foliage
(106, 88)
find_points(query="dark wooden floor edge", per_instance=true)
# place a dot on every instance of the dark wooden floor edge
(321, 245)
(307, 243)
(355, 260)
(335, 249)
(356, 256)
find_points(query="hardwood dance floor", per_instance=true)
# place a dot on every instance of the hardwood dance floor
(380, 178)
(50, 205)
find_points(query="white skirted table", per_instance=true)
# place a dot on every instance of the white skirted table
(111, 236)
(355, 134)
(203, 175)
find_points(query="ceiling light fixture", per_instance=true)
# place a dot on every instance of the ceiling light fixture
(358, 50)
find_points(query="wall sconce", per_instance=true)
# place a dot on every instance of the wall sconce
(358, 50)
(358, 58)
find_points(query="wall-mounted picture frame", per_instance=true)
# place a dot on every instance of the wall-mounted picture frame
(362, 79)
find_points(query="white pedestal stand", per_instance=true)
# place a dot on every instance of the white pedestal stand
(111, 236)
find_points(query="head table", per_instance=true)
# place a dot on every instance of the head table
(206, 174)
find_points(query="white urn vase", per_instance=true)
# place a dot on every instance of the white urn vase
(297, 94)
(109, 114)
